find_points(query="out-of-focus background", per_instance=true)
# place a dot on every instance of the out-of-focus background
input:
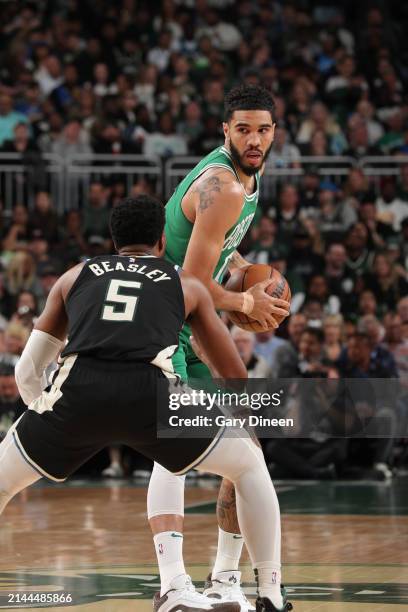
(101, 99)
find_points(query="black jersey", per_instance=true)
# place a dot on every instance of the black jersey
(128, 308)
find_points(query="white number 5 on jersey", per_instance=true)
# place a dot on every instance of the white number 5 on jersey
(113, 313)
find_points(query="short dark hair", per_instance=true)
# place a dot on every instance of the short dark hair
(359, 337)
(138, 220)
(248, 97)
(316, 332)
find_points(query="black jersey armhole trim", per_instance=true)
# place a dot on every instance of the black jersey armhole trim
(76, 282)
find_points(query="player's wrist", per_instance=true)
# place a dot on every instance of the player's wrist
(248, 303)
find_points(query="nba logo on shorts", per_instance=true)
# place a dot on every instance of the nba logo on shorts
(161, 549)
(273, 577)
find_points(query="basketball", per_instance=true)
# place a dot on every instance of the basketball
(247, 277)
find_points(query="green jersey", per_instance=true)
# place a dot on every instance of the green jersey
(179, 228)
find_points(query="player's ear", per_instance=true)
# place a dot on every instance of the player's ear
(162, 244)
(273, 130)
(225, 128)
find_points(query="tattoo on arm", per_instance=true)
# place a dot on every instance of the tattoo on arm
(207, 189)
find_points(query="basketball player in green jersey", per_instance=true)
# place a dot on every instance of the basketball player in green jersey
(206, 219)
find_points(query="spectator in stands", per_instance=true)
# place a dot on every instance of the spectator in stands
(381, 359)
(378, 232)
(366, 112)
(165, 142)
(367, 303)
(313, 311)
(72, 142)
(256, 365)
(318, 289)
(266, 345)
(72, 244)
(402, 309)
(43, 219)
(15, 338)
(11, 405)
(9, 118)
(21, 276)
(391, 210)
(283, 154)
(288, 210)
(21, 142)
(396, 341)
(266, 245)
(385, 282)
(340, 282)
(333, 216)
(49, 76)
(320, 119)
(302, 259)
(318, 145)
(403, 184)
(309, 192)
(359, 257)
(96, 213)
(159, 56)
(360, 361)
(333, 338)
(345, 88)
(287, 355)
(26, 310)
(358, 139)
(48, 276)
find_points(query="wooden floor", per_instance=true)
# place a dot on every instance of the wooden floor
(345, 545)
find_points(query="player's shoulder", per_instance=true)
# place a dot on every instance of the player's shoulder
(220, 177)
(218, 186)
(69, 278)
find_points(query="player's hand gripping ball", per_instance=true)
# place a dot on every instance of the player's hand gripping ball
(245, 278)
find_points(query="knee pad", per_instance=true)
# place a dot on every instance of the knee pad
(165, 494)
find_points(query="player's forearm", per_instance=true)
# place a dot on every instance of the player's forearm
(229, 300)
(237, 262)
(40, 350)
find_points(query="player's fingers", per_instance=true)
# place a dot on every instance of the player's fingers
(281, 303)
(270, 322)
(278, 311)
(264, 284)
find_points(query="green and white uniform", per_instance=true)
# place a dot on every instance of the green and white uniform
(178, 233)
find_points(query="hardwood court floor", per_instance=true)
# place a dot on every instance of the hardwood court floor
(345, 545)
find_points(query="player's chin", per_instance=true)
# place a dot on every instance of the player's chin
(252, 168)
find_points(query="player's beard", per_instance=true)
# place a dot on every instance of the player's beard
(237, 158)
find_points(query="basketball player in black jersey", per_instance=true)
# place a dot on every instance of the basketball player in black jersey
(122, 315)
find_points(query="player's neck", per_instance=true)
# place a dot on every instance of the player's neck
(138, 250)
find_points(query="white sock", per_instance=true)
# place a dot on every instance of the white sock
(169, 551)
(268, 577)
(228, 552)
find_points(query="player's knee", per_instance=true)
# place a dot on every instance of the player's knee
(165, 494)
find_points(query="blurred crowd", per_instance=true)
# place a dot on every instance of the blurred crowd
(80, 77)
(88, 76)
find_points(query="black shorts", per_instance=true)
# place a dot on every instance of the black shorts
(93, 404)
